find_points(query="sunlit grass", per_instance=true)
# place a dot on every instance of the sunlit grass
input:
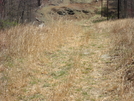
(62, 62)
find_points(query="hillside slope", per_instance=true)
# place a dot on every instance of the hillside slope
(68, 60)
(73, 11)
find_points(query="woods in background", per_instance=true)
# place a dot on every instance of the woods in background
(117, 8)
(126, 8)
(22, 10)
(18, 10)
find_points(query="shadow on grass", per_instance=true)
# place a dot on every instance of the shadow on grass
(7, 24)
(99, 20)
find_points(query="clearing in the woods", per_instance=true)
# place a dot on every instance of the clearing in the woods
(68, 60)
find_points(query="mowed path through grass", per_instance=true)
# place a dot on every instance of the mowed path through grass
(72, 72)
(81, 64)
(67, 61)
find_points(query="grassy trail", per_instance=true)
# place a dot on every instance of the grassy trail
(77, 68)
(71, 72)
(68, 62)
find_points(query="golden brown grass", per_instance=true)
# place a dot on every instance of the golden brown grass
(26, 40)
(122, 50)
(123, 37)
(26, 59)
(62, 62)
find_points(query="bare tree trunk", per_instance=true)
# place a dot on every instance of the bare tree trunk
(23, 11)
(118, 9)
(125, 8)
(39, 2)
(107, 9)
(101, 8)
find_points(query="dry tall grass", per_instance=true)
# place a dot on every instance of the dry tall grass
(123, 36)
(59, 63)
(26, 40)
(122, 49)
(25, 57)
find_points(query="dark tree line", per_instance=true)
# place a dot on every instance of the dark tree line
(126, 8)
(22, 10)
(2, 7)
(18, 10)
(117, 8)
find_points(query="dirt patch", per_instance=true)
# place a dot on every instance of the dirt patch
(70, 11)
